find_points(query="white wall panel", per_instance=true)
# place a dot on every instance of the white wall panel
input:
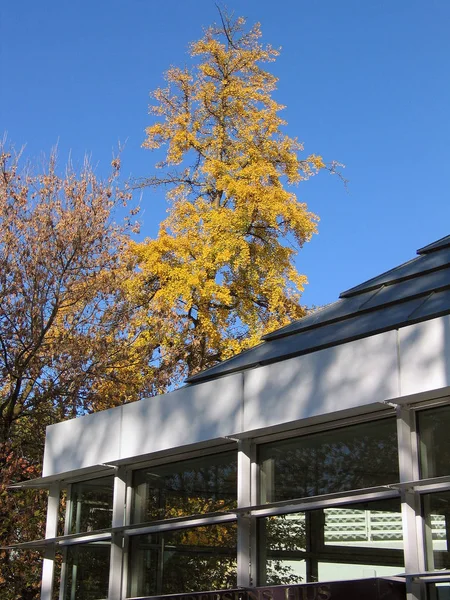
(189, 415)
(355, 374)
(82, 442)
(338, 378)
(425, 356)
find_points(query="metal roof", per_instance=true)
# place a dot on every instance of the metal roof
(415, 291)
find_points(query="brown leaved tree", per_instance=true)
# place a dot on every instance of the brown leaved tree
(62, 327)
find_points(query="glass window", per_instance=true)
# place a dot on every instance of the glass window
(434, 425)
(92, 505)
(439, 591)
(87, 571)
(349, 542)
(186, 560)
(203, 485)
(436, 509)
(350, 458)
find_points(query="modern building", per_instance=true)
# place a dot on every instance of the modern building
(315, 466)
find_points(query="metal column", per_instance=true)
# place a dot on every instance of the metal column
(51, 531)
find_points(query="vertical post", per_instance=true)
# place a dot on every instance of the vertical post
(118, 519)
(408, 468)
(51, 531)
(126, 542)
(67, 530)
(244, 477)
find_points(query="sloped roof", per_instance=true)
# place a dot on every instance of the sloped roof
(415, 291)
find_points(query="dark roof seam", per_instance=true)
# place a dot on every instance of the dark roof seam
(312, 349)
(355, 314)
(376, 292)
(434, 246)
(359, 288)
(347, 293)
(422, 303)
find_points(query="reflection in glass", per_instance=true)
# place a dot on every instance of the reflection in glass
(186, 560)
(350, 458)
(206, 484)
(92, 505)
(434, 425)
(439, 591)
(87, 571)
(436, 510)
(351, 542)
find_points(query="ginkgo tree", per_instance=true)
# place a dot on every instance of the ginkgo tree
(221, 273)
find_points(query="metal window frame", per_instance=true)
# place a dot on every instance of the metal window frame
(409, 489)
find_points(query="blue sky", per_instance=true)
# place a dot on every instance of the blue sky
(365, 82)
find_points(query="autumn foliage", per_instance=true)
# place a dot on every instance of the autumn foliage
(62, 327)
(90, 319)
(221, 271)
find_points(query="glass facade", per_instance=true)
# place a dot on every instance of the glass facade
(339, 543)
(92, 505)
(185, 560)
(436, 512)
(198, 486)
(87, 571)
(434, 428)
(329, 507)
(350, 458)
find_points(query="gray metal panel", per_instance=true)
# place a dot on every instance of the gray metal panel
(360, 325)
(43, 483)
(442, 243)
(413, 268)
(410, 288)
(332, 312)
(420, 275)
(437, 303)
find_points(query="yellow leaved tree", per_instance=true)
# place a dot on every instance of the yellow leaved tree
(221, 271)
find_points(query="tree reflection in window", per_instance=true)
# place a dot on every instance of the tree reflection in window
(186, 560)
(198, 486)
(92, 504)
(87, 571)
(434, 425)
(349, 458)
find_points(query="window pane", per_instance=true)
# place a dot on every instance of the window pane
(350, 458)
(351, 542)
(436, 508)
(187, 560)
(199, 486)
(87, 571)
(434, 425)
(439, 591)
(92, 505)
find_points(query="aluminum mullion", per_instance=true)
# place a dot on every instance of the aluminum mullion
(337, 501)
(67, 522)
(126, 540)
(169, 526)
(85, 539)
(408, 470)
(51, 531)
(243, 519)
(118, 520)
(326, 426)
(254, 499)
(227, 445)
